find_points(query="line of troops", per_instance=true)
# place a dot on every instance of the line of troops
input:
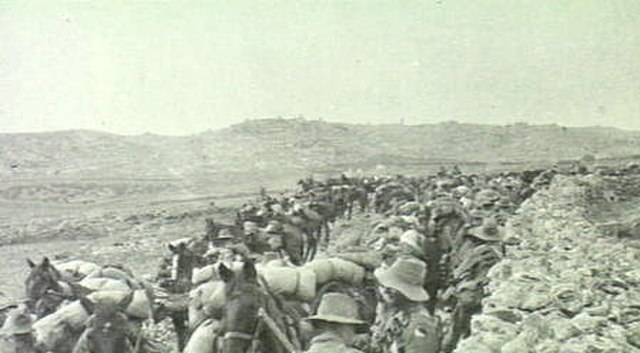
(415, 271)
(413, 286)
(420, 279)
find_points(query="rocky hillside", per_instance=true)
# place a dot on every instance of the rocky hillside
(568, 287)
(298, 145)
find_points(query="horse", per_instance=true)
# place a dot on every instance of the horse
(106, 331)
(253, 319)
(183, 262)
(328, 213)
(41, 278)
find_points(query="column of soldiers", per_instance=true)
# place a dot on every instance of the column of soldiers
(435, 281)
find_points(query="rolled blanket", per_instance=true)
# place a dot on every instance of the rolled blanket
(336, 270)
(52, 330)
(117, 274)
(205, 274)
(369, 259)
(108, 284)
(75, 270)
(139, 308)
(293, 282)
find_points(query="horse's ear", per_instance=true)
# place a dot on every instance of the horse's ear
(172, 248)
(225, 273)
(249, 270)
(88, 305)
(31, 264)
(126, 301)
(45, 262)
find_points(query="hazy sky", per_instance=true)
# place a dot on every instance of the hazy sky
(178, 67)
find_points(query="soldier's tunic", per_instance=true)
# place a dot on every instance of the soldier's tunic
(413, 330)
(329, 343)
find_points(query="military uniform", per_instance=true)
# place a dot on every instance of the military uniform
(329, 343)
(408, 328)
(407, 331)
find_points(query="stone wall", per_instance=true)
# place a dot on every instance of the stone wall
(566, 288)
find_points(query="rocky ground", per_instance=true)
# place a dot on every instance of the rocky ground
(569, 286)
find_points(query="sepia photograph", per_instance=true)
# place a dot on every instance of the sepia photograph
(315, 176)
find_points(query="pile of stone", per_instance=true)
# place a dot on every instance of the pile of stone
(565, 288)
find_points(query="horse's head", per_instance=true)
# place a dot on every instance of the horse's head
(182, 262)
(244, 298)
(106, 329)
(42, 277)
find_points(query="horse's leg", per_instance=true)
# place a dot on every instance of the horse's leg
(313, 243)
(179, 320)
(314, 238)
(327, 231)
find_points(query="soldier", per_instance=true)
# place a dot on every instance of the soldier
(481, 249)
(335, 325)
(403, 324)
(254, 239)
(16, 335)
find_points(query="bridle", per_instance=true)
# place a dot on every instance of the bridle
(265, 321)
(252, 338)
